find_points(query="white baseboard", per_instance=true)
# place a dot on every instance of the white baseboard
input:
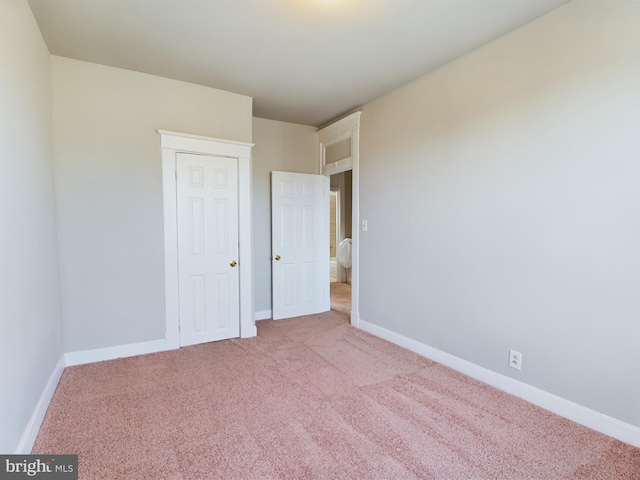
(110, 353)
(263, 315)
(355, 319)
(249, 332)
(33, 427)
(590, 418)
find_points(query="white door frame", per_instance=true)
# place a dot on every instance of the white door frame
(347, 127)
(173, 143)
(340, 275)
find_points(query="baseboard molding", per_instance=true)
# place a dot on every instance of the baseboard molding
(355, 319)
(263, 315)
(110, 353)
(590, 418)
(131, 350)
(249, 332)
(33, 427)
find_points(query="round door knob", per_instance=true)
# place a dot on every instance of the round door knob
(233, 263)
(277, 257)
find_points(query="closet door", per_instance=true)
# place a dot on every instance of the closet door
(207, 201)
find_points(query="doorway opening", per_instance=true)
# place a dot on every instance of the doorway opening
(340, 235)
(339, 153)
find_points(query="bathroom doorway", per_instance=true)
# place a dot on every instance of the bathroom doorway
(340, 226)
(339, 152)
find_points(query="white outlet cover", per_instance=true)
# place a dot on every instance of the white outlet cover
(515, 359)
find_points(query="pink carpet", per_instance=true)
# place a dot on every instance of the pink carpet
(310, 398)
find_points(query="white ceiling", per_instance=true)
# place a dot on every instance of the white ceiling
(303, 61)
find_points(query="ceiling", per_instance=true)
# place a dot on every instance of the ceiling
(303, 61)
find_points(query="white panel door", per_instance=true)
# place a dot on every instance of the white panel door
(207, 200)
(300, 244)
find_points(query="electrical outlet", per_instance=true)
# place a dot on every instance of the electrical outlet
(515, 359)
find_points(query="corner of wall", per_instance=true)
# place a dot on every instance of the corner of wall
(35, 421)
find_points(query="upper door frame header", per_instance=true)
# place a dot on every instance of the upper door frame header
(186, 142)
(346, 128)
(328, 133)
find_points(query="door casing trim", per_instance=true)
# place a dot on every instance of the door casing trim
(347, 127)
(171, 144)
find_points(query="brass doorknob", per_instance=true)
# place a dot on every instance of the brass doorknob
(277, 257)
(233, 263)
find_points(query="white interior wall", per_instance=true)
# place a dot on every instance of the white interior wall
(501, 193)
(279, 146)
(109, 192)
(30, 319)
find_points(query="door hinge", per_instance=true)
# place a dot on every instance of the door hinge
(176, 172)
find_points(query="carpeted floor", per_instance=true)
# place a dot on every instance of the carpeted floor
(310, 398)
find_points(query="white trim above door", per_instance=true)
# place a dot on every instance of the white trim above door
(173, 143)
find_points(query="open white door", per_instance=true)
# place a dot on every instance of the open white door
(300, 244)
(207, 201)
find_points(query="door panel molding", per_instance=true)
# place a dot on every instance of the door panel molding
(173, 143)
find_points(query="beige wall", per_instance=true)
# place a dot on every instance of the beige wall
(279, 146)
(109, 192)
(30, 319)
(508, 180)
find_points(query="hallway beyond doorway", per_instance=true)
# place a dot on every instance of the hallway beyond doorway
(341, 299)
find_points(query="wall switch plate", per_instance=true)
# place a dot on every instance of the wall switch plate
(515, 359)
(364, 225)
